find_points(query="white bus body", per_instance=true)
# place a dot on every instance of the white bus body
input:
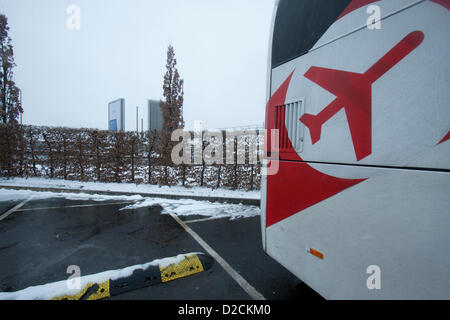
(360, 93)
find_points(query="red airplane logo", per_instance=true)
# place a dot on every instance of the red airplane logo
(354, 94)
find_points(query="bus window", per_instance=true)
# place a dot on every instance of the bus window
(299, 24)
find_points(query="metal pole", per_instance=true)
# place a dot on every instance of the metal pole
(137, 119)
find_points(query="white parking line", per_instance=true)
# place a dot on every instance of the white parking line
(204, 219)
(77, 206)
(14, 209)
(251, 291)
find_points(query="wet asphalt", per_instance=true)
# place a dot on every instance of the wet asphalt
(43, 238)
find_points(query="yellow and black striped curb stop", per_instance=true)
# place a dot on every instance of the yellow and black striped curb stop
(92, 291)
(140, 278)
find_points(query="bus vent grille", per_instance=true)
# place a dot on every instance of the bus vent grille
(290, 114)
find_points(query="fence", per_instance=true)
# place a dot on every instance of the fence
(107, 156)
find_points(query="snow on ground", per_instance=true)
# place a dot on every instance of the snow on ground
(61, 288)
(188, 207)
(181, 207)
(128, 187)
(18, 195)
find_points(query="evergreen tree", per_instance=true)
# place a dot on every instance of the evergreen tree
(10, 104)
(172, 106)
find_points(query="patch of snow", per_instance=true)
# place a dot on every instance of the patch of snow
(181, 207)
(188, 207)
(17, 195)
(60, 288)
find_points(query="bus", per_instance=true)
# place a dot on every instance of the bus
(358, 92)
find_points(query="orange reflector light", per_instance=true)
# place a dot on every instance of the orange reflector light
(316, 253)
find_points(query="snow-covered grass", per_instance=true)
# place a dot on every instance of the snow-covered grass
(128, 187)
(61, 288)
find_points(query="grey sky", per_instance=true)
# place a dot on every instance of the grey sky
(68, 76)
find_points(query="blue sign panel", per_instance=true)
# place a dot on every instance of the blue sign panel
(113, 125)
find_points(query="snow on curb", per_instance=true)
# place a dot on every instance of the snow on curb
(129, 187)
(17, 195)
(62, 288)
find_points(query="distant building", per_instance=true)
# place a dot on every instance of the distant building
(116, 115)
(155, 119)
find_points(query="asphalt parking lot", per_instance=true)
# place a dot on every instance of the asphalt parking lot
(43, 237)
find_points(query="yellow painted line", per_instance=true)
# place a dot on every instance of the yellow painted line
(190, 265)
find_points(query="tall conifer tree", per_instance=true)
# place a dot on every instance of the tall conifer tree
(10, 104)
(172, 106)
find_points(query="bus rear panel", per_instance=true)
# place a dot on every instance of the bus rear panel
(359, 207)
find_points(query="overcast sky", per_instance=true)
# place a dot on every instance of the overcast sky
(68, 76)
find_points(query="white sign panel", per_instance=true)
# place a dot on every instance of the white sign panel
(115, 115)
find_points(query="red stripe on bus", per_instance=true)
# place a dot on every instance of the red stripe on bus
(297, 186)
(445, 138)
